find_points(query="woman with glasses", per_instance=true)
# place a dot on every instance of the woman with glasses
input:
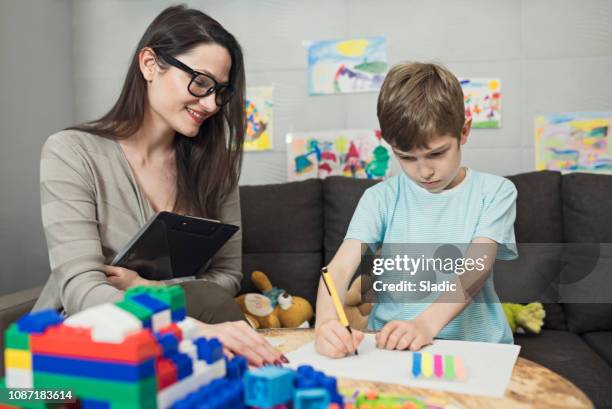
(172, 141)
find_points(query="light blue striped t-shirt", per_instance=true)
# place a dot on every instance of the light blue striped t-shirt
(399, 211)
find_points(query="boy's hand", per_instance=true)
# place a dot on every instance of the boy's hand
(400, 335)
(332, 339)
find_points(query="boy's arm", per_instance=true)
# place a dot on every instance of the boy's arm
(342, 267)
(450, 304)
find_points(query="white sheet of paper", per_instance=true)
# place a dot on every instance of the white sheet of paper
(488, 366)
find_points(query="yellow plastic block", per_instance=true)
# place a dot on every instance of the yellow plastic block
(17, 358)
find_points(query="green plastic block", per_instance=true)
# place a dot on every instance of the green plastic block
(174, 295)
(137, 310)
(4, 399)
(13, 338)
(99, 389)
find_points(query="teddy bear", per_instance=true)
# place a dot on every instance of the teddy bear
(522, 318)
(274, 308)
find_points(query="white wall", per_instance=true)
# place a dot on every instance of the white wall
(36, 97)
(551, 55)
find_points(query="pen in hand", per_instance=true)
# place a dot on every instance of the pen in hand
(331, 290)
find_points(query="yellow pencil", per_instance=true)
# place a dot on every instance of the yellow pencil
(331, 289)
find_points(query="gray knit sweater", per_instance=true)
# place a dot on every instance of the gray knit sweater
(91, 207)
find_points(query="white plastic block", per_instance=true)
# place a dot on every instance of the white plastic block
(19, 378)
(108, 323)
(175, 392)
(190, 328)
(188, 347)
(161, 320)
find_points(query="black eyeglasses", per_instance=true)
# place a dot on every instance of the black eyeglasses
(202, 84)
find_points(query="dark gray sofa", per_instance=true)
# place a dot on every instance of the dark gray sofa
(291, 230)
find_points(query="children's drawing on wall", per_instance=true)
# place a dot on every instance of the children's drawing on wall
(352, 153)
(482, 97)
(259, 107)
(570, 142)
(344, 66)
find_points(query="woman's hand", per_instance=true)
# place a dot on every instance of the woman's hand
(400, 335)
(332, 339)
(123, 278)
(239, 338)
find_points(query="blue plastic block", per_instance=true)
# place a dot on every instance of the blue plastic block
(268, 386)
(183, 363)
(178, 315)
(149, 302)
(168, 343)
(38, 322)
(92, 368)
(219, 394)
(94, 404)
(210, 351)
(305, 383)
(317, 398)
(236, 367)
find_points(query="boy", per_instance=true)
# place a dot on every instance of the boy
(434, 200)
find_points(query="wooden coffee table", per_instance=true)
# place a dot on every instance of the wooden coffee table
(531, 385)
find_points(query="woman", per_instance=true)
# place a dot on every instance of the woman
(172, 141)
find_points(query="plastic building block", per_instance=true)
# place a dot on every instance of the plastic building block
(168, 343)
(90, 368)
(183, 363)
(149, 302)
(166, 372)
(108, 322)
(188, 347)
(38, 322)
(95, 404)
(178, 314)
(172, 296)
(236, 367)
(98, 389)
(174, 330)
(317, 398)
(19, 378)
(268, 386)
(179, 390)
(142, 313)
(77, 343)
(190, 328)
(16, 339)
(17, 358)
(371, 399)
(209, 350)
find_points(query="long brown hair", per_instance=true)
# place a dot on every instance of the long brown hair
(208, 165)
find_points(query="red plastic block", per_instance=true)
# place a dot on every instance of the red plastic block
(173, 329)
(166, 371)
(76, 342)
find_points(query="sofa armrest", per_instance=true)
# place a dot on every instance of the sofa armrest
(13, 306)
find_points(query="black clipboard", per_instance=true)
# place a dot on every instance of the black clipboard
(170, 245)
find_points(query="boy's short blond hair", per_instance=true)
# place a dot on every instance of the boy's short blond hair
(418, 102)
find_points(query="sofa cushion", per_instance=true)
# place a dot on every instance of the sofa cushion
(282, 218)
(340, 196)
(587, 277)
(282, 235)
(538, 207)
(539, 231)
(601, 342)
(568, 355)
